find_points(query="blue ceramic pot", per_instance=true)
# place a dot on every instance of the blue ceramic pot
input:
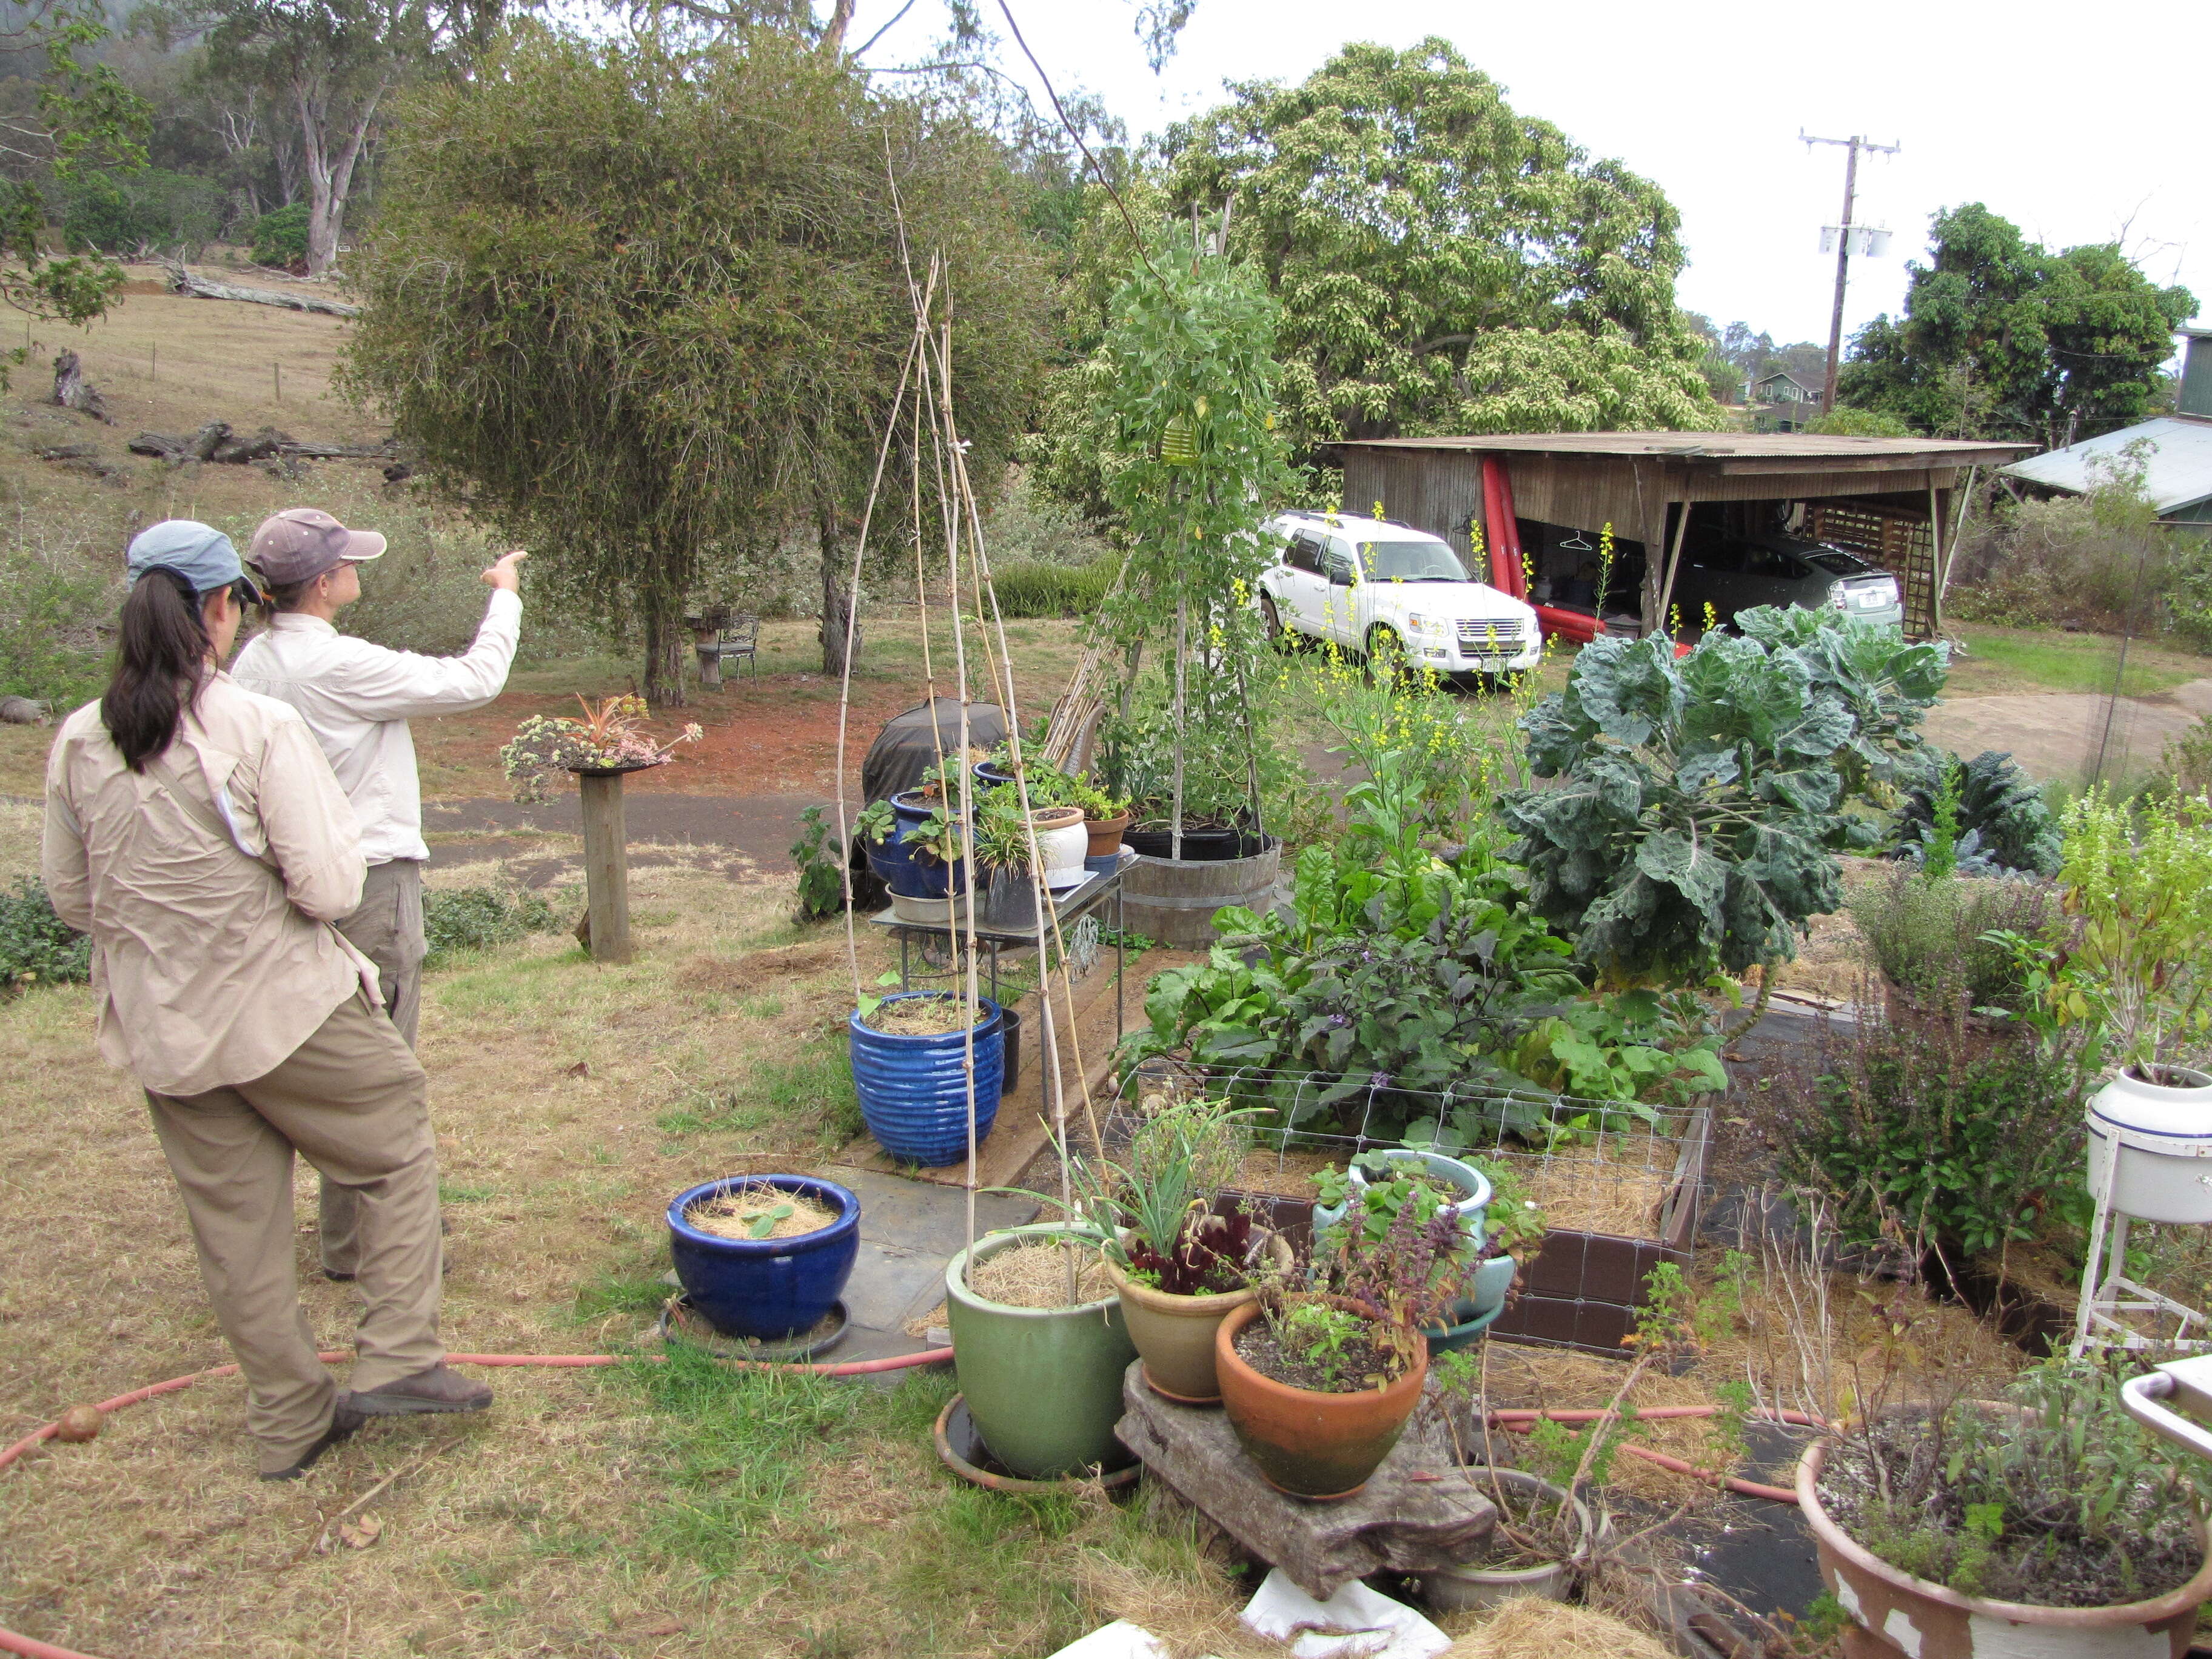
(905, 868)
(766, 1287)
(914, 1089)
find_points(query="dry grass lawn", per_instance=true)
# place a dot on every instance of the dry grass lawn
(637, 1510)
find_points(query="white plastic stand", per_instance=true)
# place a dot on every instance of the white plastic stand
(2106, 1296)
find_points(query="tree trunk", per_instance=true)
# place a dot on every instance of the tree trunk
(330, 172)
(666, 639)
(837, 602)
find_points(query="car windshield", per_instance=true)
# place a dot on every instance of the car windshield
(1409, 561)
(1837, 562)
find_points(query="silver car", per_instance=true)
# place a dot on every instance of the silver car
(1735, 573)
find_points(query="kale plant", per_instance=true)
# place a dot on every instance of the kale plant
(2002, 822)
(1700, 798)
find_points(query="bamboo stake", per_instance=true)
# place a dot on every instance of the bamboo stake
(1174, 828)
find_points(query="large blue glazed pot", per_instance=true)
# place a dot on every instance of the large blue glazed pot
(914, 1089)
(766, 1287)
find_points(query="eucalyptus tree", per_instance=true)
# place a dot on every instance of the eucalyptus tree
(645, 307)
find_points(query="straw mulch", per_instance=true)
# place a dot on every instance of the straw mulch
(1615, 1186)
(731, 1214)
(1529, 1627)
(1037, 1276)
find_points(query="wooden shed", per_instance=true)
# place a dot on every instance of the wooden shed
(1889, 500)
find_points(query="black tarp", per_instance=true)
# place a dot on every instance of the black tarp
(910, 743)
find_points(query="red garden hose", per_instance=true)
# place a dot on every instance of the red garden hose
(31, 1648)
(1519, 1421)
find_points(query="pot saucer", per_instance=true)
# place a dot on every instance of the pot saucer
(966, 1455)
(680, 1322)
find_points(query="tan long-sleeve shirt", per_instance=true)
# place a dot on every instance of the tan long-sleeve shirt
(207, 882)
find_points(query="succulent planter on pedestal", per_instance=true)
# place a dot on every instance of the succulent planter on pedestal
(914, 1089)
(1897, 1616)
(766, 1288)
(1306, 1442)
(1043, 1385)
(606, 859)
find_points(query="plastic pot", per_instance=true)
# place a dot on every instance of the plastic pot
(1174, 1334)
(1010, 900)
(2151, 1143)
(1105, 836)
(766, 1287)
(1444, 1171)
(1043, 1384)
(1010, 1065)
(1464, 1588)
(1310, 1444)
(1895, 1615)
(914, 1089)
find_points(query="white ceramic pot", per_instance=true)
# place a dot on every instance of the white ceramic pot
(1063, 841)
(2151, 1143)
(1461, 1589)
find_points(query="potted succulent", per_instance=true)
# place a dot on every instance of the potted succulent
(2049, 1524)
(764, 1256)
(910, 1054)
(1179, 1264)
(1040, 1348)
(1320, 1372)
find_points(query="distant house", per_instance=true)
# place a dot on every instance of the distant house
(2176, 453)
(1784, 402)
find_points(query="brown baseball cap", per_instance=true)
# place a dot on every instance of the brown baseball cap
(301, 543)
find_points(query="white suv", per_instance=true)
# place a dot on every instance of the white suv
(1380, 588)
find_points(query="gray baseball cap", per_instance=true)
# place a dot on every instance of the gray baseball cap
(198, 552)
(301, 543)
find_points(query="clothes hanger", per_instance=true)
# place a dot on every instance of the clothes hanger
(1575, 544)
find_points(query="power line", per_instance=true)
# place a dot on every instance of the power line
(1854, 144)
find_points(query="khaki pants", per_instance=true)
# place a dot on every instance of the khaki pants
(387, 927)
(353, 1102)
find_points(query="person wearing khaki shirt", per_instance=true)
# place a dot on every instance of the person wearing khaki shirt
(357, 698)
(196, 832)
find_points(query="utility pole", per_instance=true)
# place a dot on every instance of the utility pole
(1854, 145)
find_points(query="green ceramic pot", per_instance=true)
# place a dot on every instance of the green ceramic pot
(1043, 1384)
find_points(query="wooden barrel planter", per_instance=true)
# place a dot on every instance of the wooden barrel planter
(1174, 900)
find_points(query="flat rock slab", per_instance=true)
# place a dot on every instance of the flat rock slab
(1418, 1511)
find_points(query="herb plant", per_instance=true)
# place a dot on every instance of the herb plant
(2065, 1502)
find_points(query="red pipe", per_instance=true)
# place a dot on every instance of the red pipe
(1521, 1421)
(1497, 528)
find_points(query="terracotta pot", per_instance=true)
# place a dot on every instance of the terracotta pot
(1897, 1616)
(1105, 835)
(1174, 1334)
(1310, 1444)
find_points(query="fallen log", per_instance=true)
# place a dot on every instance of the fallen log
(380, 451)
(202, 287)
(159, 445)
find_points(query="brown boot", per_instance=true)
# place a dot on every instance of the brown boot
(438, 1389)
(345, 1418)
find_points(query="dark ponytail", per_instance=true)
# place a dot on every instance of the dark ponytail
(161, 658)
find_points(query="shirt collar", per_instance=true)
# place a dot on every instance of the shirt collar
(296, 621)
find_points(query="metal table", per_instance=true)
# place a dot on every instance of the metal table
(1088, 900)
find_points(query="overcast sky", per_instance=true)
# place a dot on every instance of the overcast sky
(2075, 123)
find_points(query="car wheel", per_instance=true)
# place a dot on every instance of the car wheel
(1385, 655)
(1272, 620)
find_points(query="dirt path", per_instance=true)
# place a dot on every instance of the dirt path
(2057, 735)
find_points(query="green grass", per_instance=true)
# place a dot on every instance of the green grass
(818, 1081)
(2000, 659)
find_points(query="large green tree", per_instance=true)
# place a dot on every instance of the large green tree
(2000, 338)
(645, 307)
(1442, 264)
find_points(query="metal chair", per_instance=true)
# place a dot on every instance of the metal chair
(740, 639)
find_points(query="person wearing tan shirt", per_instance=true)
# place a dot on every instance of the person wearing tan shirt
(196, 833)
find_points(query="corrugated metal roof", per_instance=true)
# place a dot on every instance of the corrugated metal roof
(2180, 471)
(1695, 447)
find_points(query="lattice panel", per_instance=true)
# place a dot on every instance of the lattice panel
(1896, 541)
